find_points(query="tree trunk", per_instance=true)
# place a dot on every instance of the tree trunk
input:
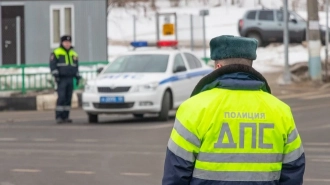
(153, 4)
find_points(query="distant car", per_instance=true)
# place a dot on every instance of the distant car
(144, 81)
(266, 25)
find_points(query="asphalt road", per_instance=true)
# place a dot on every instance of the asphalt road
(122, 150)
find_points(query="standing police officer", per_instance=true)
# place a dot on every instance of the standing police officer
(64, 68)
(232, 131)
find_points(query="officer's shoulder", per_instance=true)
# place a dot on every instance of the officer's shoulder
(56, 49)
(202, 99)
(276, 102)
(74, 51)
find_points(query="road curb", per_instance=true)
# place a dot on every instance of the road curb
(35, 103)
(325, 86)
(18, 103)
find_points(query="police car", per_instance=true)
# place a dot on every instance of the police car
(144, 81)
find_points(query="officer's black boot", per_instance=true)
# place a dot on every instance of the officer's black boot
(68, 98)
(60, 104)
(59, 121)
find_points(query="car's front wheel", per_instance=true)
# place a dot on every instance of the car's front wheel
(166, 105)
(93, 118)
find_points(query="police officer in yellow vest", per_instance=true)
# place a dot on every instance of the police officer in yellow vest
(232, 130)
(64, 68)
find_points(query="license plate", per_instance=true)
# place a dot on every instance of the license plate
(115, 99)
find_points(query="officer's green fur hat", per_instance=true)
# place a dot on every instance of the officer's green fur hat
(228, 46)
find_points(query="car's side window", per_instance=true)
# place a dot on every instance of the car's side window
(251, 15)
(266, 15)
(193, 62)
(178, 61)
(279, 15)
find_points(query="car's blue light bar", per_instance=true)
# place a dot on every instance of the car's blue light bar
(161, 43)
(137, 44)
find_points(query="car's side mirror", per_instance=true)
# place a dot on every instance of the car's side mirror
(99, 70)
(180, 69)
(294, 21)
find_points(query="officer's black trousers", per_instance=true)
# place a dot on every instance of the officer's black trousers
(64, 92)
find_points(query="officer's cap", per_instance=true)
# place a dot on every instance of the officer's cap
(66, 38)
(228, 46)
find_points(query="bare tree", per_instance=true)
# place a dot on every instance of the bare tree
(295, 4)
(153, 4)
(175, 3)
(322, 5)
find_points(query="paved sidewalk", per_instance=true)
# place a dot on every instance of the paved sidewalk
(293, 88)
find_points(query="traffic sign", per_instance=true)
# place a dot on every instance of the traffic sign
(168, 29)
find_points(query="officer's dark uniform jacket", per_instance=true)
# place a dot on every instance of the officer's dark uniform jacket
(64, 63)
(64, 67)
(182, 155)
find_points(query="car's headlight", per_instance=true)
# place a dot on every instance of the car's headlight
(146, 87)
(90, 88)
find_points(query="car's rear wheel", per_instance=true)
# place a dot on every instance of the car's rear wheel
(256, 36)
(166, 105)
(93, 118)
(138, 115)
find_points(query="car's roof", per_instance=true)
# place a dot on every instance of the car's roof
(266, 9)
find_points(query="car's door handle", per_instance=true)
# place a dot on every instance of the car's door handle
(259, 23)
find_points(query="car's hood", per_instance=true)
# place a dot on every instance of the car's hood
(126, 79)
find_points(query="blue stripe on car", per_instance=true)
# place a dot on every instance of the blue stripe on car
(185, 76)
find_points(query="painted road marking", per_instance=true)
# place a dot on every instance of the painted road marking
(81, 127)
(317, 149)
(317, 144)
(315, 97)
(86, 140)
(44, 139)
(19, 120)
(317, 180)
(296, 95)
(310, 107)
(80, 172)
(321, 160)
(135, 174)
(26, 170)
(8, 139)
(315, 128)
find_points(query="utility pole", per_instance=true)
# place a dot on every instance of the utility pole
(314, 42)
(327, 41)
(287, 73)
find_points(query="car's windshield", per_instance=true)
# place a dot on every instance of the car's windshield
(297, 16)
(146, 63)
(292, 15)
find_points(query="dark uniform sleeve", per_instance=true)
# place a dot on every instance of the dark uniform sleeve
(53, 65)
(182, 148)
(177, 171)
(293, 167)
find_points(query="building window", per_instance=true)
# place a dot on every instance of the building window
(61, 23)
